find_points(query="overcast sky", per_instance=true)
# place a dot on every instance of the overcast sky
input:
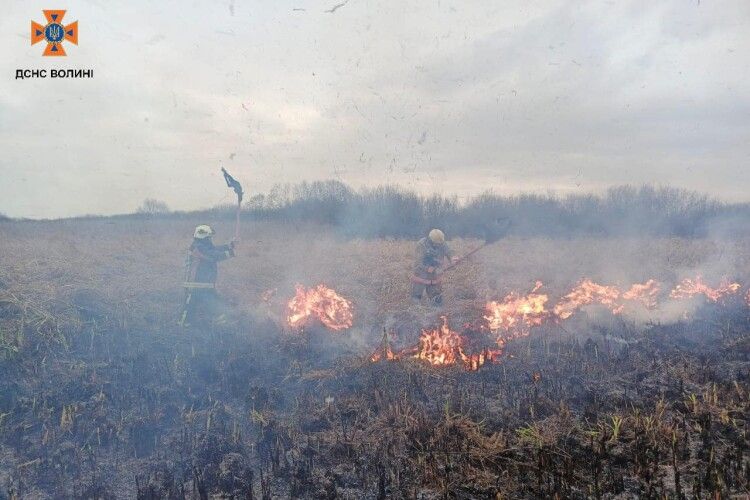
(447, 96)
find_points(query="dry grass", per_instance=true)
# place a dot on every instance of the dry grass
(99, 383)
(139, 265)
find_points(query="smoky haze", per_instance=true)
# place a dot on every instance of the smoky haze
(438, 96)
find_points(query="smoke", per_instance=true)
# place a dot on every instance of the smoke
(361, 244)
(715, 260)
(623, 211)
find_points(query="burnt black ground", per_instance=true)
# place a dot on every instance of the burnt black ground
(249, 411)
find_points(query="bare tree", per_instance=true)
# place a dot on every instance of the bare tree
(151, 206)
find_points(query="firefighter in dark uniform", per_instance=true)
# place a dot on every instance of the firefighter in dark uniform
(202, 303)
(432, 254)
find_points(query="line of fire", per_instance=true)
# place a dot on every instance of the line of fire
(504, 320)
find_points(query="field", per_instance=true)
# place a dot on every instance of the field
(103, 395)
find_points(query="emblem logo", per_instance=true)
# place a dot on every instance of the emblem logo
(54, 33)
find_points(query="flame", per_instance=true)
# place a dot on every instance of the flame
(645, 293)
(384, 351)
(474, 362)
(443, 347)
(321, 302)
(440, 346)
(386, 354)
(588, 292)
(516, 314)
(689, 288)
(585, 293)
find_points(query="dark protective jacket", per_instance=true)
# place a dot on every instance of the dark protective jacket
(202, 260)
(430, 255)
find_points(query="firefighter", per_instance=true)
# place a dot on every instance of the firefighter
(432, 254)
(201, 300)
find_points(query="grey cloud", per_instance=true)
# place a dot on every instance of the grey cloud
(572, 96)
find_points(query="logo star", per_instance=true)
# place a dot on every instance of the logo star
(54, 32)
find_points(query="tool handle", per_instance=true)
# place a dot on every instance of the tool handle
(237, 221)
(462, 258)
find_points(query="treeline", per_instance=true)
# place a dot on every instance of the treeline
(392, 211)
(396, 212)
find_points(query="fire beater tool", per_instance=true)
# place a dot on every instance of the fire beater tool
(237, 187)
(493, 231)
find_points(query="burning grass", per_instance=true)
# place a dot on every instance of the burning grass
(104, 396)
(439, 347)
(322, 304)
(689, 288)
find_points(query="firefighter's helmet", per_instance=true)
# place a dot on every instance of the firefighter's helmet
(203, 231)
(437, 237)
